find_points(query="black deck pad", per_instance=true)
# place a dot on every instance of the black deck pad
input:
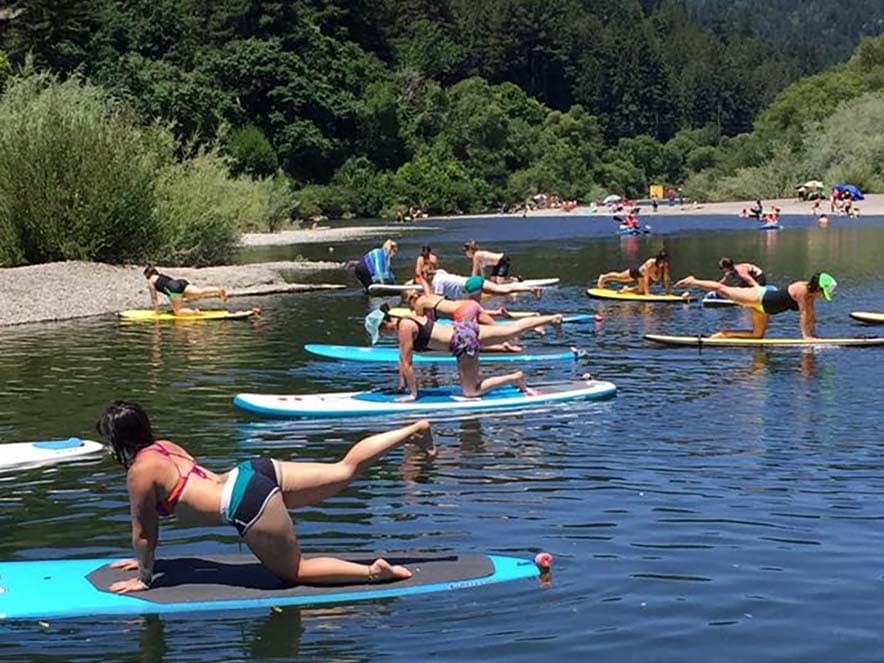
(243, 577)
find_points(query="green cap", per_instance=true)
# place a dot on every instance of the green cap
(827, 285)
(473, 285)
(373, 322)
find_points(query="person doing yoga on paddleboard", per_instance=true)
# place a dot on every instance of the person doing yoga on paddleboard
(164, 479)
(652, 270)
(177, 290)
(482, 260)
(741, 274)
(767, 300)
(437, 307)
(463, 339)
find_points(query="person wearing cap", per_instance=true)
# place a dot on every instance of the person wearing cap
(376, 265)
(650, 271)
(464, 338)
(498, 262)
(767, 300)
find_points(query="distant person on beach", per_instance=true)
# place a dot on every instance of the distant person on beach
(482, 260)
(177, 290)
(164, 479)
(376, 265)
(741, 274)
(654, 203)
(758, 211)
(652, 270)
(767, 300)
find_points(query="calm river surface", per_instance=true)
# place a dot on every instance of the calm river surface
(724, 505)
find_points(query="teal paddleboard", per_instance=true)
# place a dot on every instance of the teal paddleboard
(54, 589)
(391, 354)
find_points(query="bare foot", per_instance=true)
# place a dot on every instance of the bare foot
(223, 295)
(383, 571)
(511, 347)
(538, 292)
(557, 323)
(686, 282)
(424, 439)
(600, 283)
(541, 330)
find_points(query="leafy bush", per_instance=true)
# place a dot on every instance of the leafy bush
(251, 152)
(76, 174)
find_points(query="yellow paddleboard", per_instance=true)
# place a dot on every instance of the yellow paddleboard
(147, 315)
(707, 341)
(402, 312)
(866, 316)
(619, 295)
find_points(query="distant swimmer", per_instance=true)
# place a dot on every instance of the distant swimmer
(376, 265)
(464, 339)
(254, 497)
(741, 274)
(499, 263)
(766, 300)
(652, 270)
(177, 290)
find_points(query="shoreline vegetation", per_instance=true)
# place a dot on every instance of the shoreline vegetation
(75, 289)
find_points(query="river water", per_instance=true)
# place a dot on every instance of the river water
(725, 504)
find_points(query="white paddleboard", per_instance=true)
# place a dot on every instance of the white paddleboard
(17, 455)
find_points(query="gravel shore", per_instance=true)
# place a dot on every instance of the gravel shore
(320, 235)
(65, 290)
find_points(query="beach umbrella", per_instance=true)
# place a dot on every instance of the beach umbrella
(613, 198)
(813, 184)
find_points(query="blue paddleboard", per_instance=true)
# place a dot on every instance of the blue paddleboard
(430, 400)
(79, 587)
(391, 354)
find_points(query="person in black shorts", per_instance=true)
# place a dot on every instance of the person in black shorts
(498, 262)
(652, 270)
(177, 290)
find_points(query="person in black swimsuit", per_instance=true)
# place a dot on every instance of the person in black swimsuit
(652, 270)
(767, 300)
(177, 290)
(741, 274)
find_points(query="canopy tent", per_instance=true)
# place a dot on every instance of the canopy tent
(852, 189)
(813, 184)
(613, 198)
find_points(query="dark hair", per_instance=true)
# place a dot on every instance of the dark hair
(471, 245)
(726, 263)
(813, 284)
(149, 271)
(127, 428)
(426, 250)
(662, 256)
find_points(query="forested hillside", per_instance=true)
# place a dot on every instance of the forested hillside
(448, 105)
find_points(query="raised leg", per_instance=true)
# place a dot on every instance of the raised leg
(493, 334)
(311, 483)
(193, 292)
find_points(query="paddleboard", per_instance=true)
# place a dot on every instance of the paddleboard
(770, 226)
(627, 230)
(147, 315)
(714, 300)
(573, 317)
(866, 316)
(390, 354)
(32, 454)
(55, 589)
(706, 341)
(606, 293)
(383, 289)
(435, 399)
(534, 283)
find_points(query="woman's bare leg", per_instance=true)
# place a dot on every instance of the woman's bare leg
(272, 539)
(759, 327)
(741, 296)
(490, 335)
(311, 483)
(193, 292)
(618, 277)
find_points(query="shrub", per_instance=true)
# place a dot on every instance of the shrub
(76, 174)
(251, 152)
